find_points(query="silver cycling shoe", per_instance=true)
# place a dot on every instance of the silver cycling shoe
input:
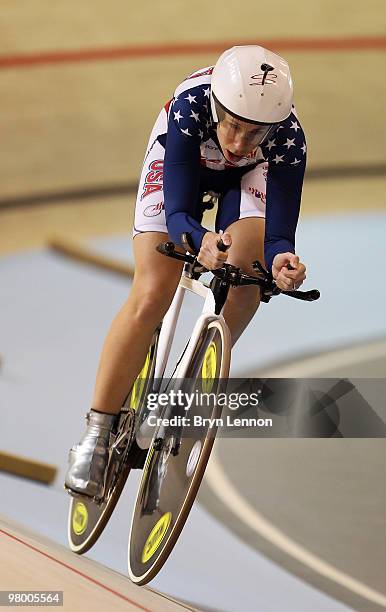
(88, 459)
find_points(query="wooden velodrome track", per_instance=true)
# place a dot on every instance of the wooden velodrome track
(74, 126)
(34, 563)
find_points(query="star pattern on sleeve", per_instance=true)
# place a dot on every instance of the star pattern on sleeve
(287, 146)
(278, 158)
(191, 98)
(195, 116)
(290, 143)
(191, 112)
(270, 144)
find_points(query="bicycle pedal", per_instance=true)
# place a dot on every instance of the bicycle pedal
(77, 495)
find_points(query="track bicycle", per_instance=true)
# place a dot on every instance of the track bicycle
(173, 456)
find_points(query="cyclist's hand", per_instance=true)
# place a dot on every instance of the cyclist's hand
(209, 256)
(288, 280)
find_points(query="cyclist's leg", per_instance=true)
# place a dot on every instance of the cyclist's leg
(155, 281)
(247, 246)
(242, 214)
(124, 351)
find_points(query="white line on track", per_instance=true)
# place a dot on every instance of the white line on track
(231, 498)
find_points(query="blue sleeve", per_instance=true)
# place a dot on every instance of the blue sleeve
(182, 175)
(286, 154)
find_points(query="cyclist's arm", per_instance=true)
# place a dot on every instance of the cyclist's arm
(181, 183)
(284, 190)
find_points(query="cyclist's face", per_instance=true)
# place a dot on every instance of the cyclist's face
(238, 138)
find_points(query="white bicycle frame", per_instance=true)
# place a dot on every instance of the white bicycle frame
(209, 318)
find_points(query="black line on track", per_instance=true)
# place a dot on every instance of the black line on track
(94, 192)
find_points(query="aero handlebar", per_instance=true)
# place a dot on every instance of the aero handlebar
(232, 276)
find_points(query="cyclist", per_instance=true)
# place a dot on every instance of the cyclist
(232, 130)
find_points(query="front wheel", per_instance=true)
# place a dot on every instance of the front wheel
(177, 460)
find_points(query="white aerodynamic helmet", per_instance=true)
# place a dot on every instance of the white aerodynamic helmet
(252, 84)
